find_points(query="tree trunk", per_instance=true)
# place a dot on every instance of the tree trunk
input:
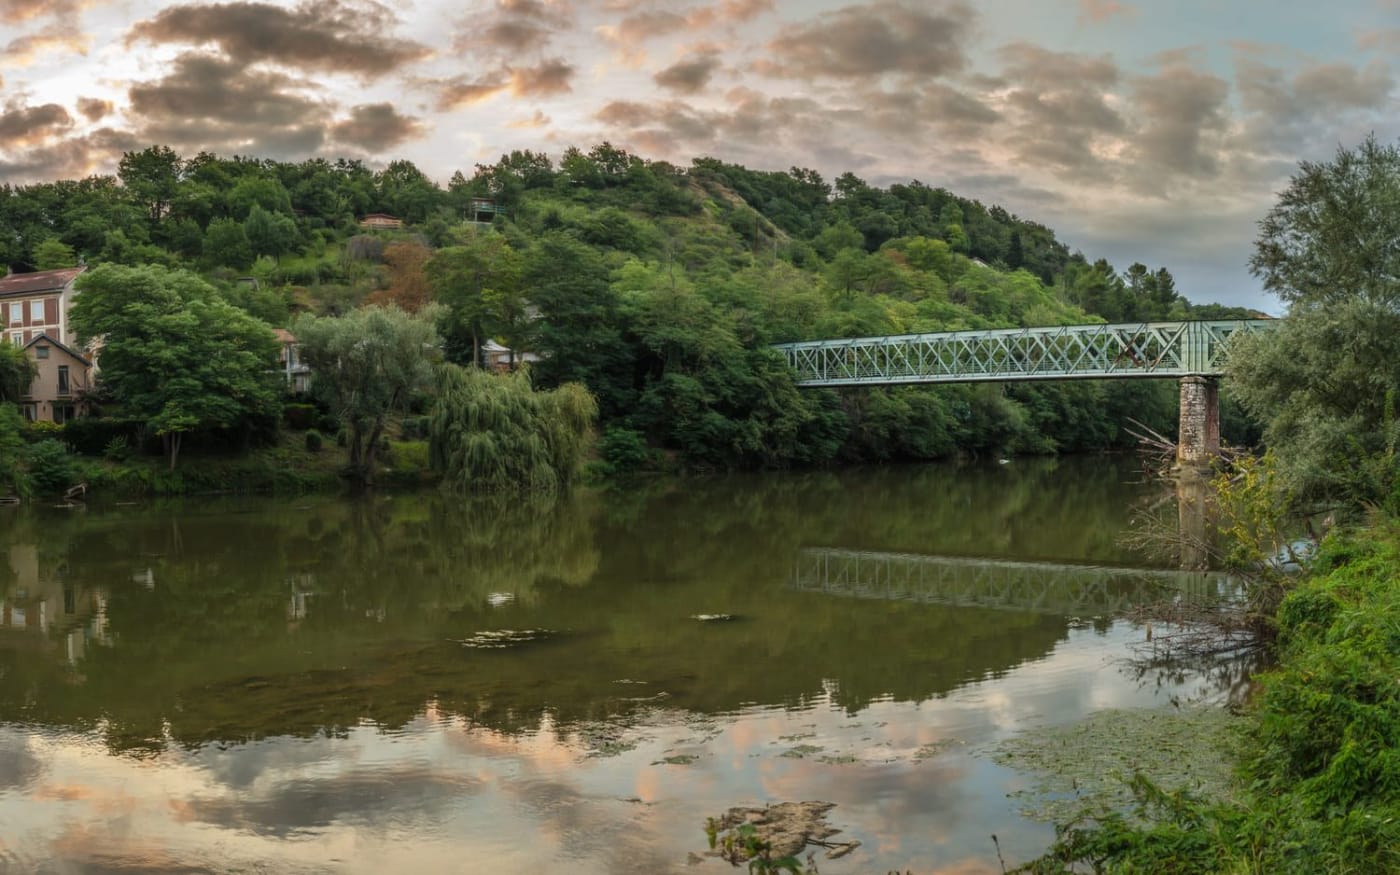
(172, 447)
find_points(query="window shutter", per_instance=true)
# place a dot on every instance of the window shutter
(51, 313)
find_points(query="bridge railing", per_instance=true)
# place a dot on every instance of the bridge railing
(1137, 349)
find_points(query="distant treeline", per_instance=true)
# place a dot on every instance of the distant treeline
(656, 286)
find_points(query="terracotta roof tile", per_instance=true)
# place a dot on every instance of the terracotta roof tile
(39, 281)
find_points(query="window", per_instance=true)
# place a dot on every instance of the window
(17, 338)
(62, 413)
(63, 388)
(31, 412)
(41, 352)
(36, 312)
(16, 313)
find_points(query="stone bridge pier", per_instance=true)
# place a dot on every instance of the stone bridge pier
(1198, 431)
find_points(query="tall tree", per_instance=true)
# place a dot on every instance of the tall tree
(1327, 381)
(476, 280)
(152, 176)
(175, 354)
(367, 365)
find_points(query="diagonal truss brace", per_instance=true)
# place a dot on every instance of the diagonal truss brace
(1142, 349)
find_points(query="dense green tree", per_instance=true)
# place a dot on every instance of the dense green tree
(1327, 380)
(495, 433)
(269, 233)
(174, 354)
(226, 245)
(152, 177)
(17, 373)
(368, 364)
(53, 254)
(478, 280)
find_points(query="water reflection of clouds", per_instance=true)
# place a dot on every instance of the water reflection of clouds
(439, 793)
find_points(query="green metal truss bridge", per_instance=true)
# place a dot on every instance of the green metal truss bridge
(1068, 352)
(1039, 587)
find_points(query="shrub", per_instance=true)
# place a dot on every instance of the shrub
(118, 449)
(34, 432)
(50, 467)
(623, 451)
(299, 416)
(313, 441)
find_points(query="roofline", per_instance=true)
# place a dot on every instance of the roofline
(43, 335)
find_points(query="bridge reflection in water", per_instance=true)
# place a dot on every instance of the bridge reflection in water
(1041, 587)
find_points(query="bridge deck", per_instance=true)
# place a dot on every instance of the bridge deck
(1139, 349)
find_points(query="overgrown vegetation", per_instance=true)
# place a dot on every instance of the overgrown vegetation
(656, 287)
(1321, 768)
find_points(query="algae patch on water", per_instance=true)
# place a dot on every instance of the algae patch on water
(1088, 765)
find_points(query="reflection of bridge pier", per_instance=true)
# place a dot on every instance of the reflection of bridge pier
(1041, 587)
(1193, 515)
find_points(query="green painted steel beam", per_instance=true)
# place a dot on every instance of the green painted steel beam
(1068, 352)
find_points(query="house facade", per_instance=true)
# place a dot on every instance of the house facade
(37, 303)
(380, 221)
(297, 372)
(59, 392)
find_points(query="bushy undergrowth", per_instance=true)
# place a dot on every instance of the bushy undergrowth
(1322, 768)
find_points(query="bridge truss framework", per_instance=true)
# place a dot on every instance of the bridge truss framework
(1137, 349)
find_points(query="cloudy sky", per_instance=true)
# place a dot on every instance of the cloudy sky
(1143, 131)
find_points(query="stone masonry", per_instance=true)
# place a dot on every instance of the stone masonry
(1199, 428)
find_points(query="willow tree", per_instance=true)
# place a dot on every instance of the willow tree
(366, 365)
(495, 433)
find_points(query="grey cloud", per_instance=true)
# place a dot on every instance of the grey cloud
(1299, 112)
(545, 79)
(1183, 114)
(22, 125)
(55, 38)
(70, 158)
(646, 25)
(376, 127)
(208, 102)
(1319, 88)
(513, 26)
(881, 37)
(94, 109)
(1058, 109)
(691, 74)
(323, 35)
(935, 105)
(202, 87)
(465, 91)
(14, 11)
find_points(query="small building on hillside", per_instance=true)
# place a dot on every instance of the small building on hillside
(59, 391)
(498, 358)
(37, 303)
(380, 222)
(297, 372)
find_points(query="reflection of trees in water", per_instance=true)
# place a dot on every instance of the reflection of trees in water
(305, 616)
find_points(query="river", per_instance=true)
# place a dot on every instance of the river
(414, 683)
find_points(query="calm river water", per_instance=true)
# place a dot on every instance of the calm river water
(419, 684)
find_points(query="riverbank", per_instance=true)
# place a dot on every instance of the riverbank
(291, 466)
(1320, 763)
